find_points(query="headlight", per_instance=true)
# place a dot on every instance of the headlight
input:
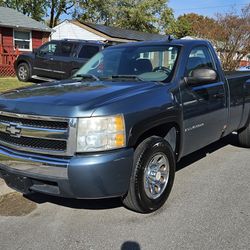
(100, 133)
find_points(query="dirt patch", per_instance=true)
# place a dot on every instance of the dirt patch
(14, 204)
(4, 189)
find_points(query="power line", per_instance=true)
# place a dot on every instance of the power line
(214, 7)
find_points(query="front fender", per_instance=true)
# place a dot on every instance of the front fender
(140, 128)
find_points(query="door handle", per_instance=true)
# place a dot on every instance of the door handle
(51, 58)
(219, 96)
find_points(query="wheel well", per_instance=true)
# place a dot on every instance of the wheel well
(23, 61)
(161, 131)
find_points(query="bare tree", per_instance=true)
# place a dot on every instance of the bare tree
(57, 8)
(230, 34)
(234, 40)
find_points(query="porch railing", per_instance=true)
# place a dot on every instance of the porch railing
(8, 55)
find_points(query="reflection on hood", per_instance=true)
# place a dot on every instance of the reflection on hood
(50, 89)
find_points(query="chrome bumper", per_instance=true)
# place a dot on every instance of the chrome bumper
(28, 164)
(88, 176)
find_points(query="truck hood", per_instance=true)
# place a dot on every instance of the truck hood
(70, 98)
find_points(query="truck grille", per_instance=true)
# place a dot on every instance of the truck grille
(35, 123)
(33, 142)
(45, 135)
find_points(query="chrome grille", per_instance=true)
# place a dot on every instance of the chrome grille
(39, 134)
(33, 142)
(34, 123)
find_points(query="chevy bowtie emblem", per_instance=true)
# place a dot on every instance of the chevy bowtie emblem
(13, 130)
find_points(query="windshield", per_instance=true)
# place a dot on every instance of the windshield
(146, 63)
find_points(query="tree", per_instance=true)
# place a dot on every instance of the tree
(142, 15)
(39, 9)
(190, 24)
(229, 33)
(34, 8)
(96, 11)
(233, 40)
(56, 8)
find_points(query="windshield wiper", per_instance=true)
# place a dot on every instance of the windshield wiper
(86, 76)
(131, 77)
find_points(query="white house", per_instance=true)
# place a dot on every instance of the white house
(73, 29)
(69, 30)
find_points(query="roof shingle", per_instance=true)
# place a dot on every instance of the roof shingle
(124, 33)
(12, 18)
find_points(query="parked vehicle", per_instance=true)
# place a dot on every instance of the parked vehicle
(118, 127)
(56, 59)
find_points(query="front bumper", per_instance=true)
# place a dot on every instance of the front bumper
(87, 176)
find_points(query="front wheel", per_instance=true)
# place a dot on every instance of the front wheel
(153, 176)
(23, 72)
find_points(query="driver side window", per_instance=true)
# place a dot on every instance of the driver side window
(49, 49)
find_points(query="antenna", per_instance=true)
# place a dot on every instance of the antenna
(167, 38)
(170, 38)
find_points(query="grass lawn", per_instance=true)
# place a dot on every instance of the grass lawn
(11, 83)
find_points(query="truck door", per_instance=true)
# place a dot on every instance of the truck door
(66, 59)
(204, 106)
(44, 63)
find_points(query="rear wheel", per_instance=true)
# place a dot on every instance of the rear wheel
(23, 72)
(244, 137)
(153, 176)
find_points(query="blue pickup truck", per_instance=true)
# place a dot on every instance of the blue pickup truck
(120, 124)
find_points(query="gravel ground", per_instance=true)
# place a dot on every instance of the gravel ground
(209, 208)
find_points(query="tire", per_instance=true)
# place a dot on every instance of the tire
(23, 72)
(143, 196)
(244, 137)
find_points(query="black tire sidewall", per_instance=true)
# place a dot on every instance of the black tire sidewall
(142, 158)
(244, 137)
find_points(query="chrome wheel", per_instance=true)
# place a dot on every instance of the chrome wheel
(156, 175)
(152, 176)
(22, 72)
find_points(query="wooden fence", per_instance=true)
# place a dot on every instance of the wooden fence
(8, 55)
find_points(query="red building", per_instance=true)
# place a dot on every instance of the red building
(18, 34)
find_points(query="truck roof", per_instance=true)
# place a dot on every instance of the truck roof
(78, 41)
(179, 42)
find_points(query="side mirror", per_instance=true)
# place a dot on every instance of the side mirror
(201, 76)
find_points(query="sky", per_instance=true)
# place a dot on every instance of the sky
(206, 7)
(203, 7)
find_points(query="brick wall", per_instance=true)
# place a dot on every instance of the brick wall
(39, 38)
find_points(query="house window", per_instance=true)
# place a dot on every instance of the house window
(22, 40)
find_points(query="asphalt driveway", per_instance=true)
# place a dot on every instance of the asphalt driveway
(209, 208)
